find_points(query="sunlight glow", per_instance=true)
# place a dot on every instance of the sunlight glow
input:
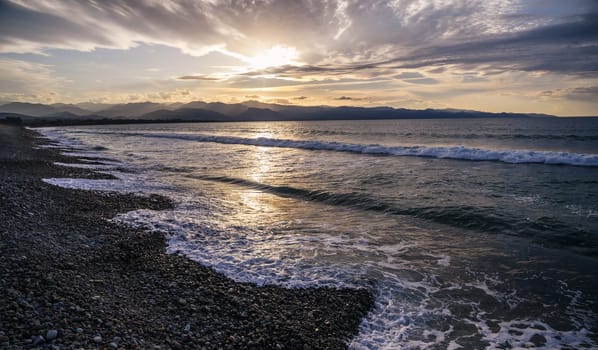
(275, 56)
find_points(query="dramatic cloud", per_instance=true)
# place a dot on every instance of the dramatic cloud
(297, 46)
(413, 33)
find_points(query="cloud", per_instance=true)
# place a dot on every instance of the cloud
(26, 77)
(408, 75)
(569, 48)
(422, 81)
(195, 27)
(199, 77)
(583, 94)
(415, 78)
(335, 37)
(566, 48)
(300, 98)
(348, 98)
(281, 101)
(243, 82)
(28, 81)
(87, 25)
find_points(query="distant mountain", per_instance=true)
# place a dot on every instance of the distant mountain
(186, 114)
(252, 114)
(217, 111)
(40, 110)
(131, 109)
(94, 107)
(70, 108)
(224, 108)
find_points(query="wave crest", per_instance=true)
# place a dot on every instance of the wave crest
(443, 152)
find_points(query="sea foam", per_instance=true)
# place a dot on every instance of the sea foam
(457, 152)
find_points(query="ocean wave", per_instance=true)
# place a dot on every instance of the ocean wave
(457, 152)
(471, 136)
(544, 230)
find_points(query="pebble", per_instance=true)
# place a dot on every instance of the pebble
(97, 339)
(79, 330)
(182, 301)
(37, 340)
(113, 345)
(51, 334)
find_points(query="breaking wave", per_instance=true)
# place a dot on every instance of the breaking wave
(456, 152)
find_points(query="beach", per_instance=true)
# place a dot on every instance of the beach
(70, 278)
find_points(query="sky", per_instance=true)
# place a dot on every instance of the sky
(530, 56)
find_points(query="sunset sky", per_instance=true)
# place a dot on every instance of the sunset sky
(536, 56)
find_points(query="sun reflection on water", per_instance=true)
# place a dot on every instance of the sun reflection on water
(259, 168)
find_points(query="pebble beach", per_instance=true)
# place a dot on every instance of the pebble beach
(71, 279)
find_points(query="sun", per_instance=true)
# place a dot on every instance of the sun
(275, 56)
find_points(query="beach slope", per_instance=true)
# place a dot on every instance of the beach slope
(72, 279)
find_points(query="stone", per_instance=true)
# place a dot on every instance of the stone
(113, 345)
(37, 340)
(51, 334)
(97, 339)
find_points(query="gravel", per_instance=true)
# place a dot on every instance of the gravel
(69, 274)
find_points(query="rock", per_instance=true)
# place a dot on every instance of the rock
(538, 340)
(79, 330)
(113, 345)
(37, 340)
(51, 334)
(182, 301)
(97, 339)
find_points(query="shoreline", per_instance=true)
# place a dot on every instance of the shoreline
(69, 278)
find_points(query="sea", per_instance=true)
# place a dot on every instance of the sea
(469, 233)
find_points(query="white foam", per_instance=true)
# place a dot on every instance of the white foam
(86, 166)
(444, 261)
(108, 185)
(242, 253)
(581, 211)
(518, 334)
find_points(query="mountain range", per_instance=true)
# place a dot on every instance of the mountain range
(59, 113)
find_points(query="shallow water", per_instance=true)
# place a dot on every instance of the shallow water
(472, 233)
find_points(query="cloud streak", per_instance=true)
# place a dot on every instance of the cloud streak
(199, 77)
